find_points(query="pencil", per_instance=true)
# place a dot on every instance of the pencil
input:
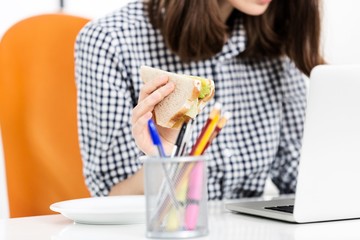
(222, 122)
(207, 130)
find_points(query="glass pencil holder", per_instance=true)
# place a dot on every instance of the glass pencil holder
(176, 196)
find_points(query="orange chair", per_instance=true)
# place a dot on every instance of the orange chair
(38, 113)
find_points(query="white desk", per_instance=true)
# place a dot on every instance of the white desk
(223, 226)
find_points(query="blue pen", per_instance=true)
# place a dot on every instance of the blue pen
(155, 137)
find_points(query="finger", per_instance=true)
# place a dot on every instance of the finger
(151, 86)
(148, 104)
(140, 125)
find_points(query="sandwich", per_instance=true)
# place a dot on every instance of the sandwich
(186, 101)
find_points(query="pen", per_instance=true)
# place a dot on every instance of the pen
(186, 138)
(155, 137)
(179, 140)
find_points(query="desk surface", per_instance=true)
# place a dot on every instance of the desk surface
(223, 225)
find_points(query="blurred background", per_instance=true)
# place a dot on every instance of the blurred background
(341, 36)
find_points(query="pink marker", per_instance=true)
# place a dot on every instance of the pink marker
(194, 195)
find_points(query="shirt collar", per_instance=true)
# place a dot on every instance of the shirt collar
(236, 42)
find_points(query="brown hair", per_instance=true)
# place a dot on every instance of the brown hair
(289, 28)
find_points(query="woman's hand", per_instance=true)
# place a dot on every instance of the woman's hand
(151, 94)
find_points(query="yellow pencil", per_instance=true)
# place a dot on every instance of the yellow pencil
(207, 130)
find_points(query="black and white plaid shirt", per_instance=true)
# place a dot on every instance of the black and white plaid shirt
(266, 98)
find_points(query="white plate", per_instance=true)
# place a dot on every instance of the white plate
(103, 210)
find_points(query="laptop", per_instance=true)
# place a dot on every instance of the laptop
(328, 184)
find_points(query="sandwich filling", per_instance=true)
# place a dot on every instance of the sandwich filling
(204, 92)
(205, 88)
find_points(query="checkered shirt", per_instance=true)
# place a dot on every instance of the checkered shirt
(267, 98)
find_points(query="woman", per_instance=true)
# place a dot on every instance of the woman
(255, 51)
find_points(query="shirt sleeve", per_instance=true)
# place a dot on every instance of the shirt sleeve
(105, 102)
(285, 167)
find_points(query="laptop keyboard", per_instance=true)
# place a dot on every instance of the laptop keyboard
(287, 208)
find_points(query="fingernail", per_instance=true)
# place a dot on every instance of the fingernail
(148, 115)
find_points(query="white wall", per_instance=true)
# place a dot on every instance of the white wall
(96, 8)
(341, 32)
(12, 11)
